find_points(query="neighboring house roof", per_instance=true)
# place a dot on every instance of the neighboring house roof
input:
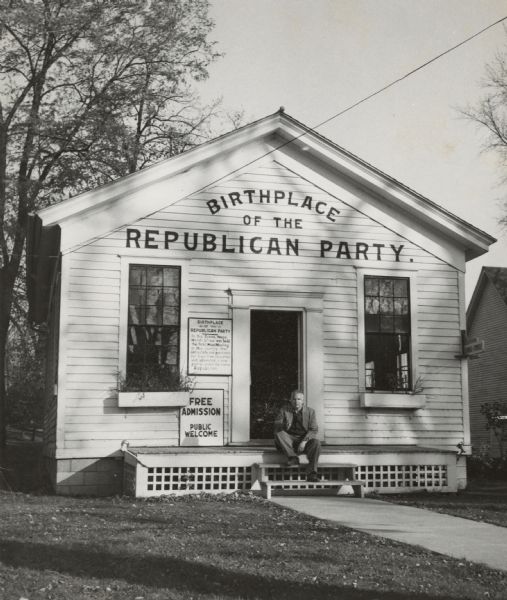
(91, 215)
(497, 276)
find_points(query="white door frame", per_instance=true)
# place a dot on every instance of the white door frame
(310, 304)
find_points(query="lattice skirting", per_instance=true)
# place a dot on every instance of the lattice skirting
(389, 478)
(402, 477)
(170, 480)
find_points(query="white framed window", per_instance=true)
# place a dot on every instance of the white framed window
(153, 321)
(388, 335)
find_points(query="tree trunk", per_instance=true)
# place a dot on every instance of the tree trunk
(4, 328)
(6, 291)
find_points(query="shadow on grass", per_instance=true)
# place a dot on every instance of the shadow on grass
(23, 467)
(179, 575)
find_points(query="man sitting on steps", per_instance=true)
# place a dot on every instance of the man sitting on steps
(296, 433)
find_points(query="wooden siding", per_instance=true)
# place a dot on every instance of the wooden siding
(91, 315)
(488, 373)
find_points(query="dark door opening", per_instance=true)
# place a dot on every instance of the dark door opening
(274, 366)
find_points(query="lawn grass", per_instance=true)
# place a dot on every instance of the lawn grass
(208, 547)
(482, 501)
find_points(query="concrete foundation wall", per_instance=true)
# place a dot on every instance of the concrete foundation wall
(88, 476)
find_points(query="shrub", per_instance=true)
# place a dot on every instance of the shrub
(482, 465)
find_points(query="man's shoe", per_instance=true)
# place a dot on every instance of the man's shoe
(293, 461)
(312, 477)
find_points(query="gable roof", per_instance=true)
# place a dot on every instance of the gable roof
(93, 214)
(242, 147)
(497, 276)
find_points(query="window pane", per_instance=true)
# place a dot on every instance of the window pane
(171, 355)
(137, 295)
(170, 336)
(154, 327)
(387, 362)
(401, 324)
(154, 315)
(155, 335)
(137, 275)
(401, 287)
(386, 323)
(171, 297)
(154, 295)
(171, 316)
(136, 314)
(372, 323)
(133, 337)
(172, 277)
(386, 306)
(371, 286)
(155, 276)
(152, 356)
(386, 287)
(401, 306)
(372, 305)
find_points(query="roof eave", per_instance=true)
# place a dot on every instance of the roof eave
(474, 241)
(164, 169)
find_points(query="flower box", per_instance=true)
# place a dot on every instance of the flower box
(152, 399)
(387, 400)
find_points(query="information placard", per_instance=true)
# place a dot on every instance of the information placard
(209, 346)
(202, 421)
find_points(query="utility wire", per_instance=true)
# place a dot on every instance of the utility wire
(329, 119)
(419, 68)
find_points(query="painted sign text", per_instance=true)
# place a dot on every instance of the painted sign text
(202, 421)
(211, 242)
(209, 346)
(296, 200)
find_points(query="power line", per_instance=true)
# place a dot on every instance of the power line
(419, 68)
(335, 116)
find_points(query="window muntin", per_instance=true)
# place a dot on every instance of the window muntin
(387, 333)
(153, 340)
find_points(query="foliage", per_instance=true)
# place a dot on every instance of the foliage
(491, 111)
(482, 465)
(487, 467)
(418, 387)
(24, 367)
(89, 90)
(155, 379)
(493, 411)
(25, 385)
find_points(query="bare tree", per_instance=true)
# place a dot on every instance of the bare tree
(89, 90)
(491, 112)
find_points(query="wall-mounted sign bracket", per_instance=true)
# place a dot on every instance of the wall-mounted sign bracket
(470, 347)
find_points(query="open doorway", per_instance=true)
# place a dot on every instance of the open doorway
(275, 366)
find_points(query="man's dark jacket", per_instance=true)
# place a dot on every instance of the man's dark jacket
(284, 418)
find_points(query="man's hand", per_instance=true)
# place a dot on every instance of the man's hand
(302, 445)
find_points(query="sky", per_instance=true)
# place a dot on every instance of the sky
(317, 57)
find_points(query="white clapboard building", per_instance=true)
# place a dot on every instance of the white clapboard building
(187, 300)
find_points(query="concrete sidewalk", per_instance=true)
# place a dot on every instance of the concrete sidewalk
(460, 538)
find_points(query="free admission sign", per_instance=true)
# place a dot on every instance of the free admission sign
(202, 420)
